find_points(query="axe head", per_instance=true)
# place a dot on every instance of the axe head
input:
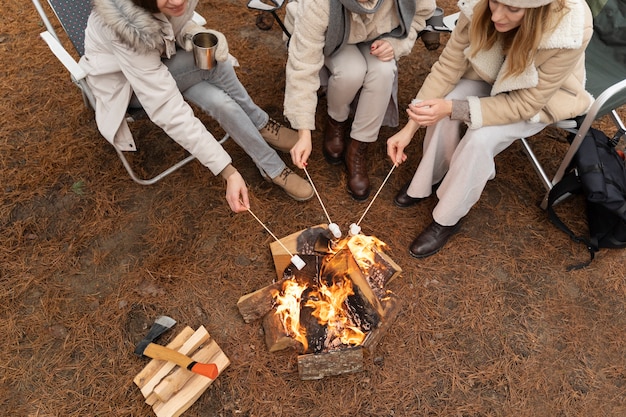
(160, 326)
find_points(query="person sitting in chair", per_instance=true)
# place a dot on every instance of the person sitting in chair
(510, 68)
(138, 53)
(359, 42)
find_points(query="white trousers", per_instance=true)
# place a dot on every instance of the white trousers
(463, 165)
(355, 71)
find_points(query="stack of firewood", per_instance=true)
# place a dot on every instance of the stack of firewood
(171, 390)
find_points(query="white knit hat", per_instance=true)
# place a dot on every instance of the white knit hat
(525, 4)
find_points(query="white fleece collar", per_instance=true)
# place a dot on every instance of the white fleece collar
(567, 35)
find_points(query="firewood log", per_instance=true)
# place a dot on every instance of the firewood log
(336, 362)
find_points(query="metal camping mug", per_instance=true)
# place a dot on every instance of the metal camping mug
(204, 45)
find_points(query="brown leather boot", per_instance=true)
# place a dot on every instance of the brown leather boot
(335, 140)
(356, 165)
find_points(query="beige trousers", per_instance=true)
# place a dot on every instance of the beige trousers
(353, 70)
(463, 165)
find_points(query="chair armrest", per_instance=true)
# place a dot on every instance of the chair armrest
(450, 21)
(62, 55)
(198, 19)
(259, 5)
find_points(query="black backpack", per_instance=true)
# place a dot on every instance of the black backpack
(599, 172)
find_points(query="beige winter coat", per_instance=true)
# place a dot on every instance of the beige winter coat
(124, 45)
(310, 22)
(549, 90)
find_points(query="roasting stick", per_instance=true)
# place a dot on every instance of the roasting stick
(295, 259)
(355, 229)
(331, 226)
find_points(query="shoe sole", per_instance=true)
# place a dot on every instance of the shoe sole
(405, 205)
(299, 198)
(358, 198)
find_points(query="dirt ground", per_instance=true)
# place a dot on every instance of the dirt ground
(493, 325)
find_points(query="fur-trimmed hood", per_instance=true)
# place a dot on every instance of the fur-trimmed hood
(569, 34)
(138, 28)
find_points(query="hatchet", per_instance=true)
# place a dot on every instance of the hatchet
(152, 350)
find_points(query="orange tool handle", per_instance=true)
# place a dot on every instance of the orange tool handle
(156, 351)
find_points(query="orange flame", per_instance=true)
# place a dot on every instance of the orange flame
(328, 301)
(288, 309)
(330, 312)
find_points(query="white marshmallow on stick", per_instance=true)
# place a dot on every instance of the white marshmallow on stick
(334, 229)
(298, 262)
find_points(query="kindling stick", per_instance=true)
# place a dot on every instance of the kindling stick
(331, 226)
(355, 229)
(295, 259)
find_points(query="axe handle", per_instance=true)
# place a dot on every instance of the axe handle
(156, 351)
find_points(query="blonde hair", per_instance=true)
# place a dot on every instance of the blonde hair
(521, 43)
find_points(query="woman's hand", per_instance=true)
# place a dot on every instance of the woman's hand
(429, 112)
(398, 142)
(302, 149)
(237, 193)
(382, 50)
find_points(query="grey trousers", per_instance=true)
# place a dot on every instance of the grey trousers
(220, 94)
(464, 164)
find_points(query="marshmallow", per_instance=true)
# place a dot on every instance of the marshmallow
(355, 229)
(334, 229)
(298, 262)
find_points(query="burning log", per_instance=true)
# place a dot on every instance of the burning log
(255, 305)
(391, 308)
(336, 362)
(363, 304)
(276, 336)
(381, 273)
(333, 308)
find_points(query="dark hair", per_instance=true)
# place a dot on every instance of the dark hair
(149, 5)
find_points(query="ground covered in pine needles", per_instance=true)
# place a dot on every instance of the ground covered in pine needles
(493, 325)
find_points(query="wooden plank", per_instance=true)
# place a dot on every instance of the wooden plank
(303, 242)
(155, 365)
(192, 390)
(191, 345)
(336, 362)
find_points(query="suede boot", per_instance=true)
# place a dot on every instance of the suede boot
(335, 140)
(356, 166)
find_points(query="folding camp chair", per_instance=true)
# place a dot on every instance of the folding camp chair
(73, 15)
(605, 63)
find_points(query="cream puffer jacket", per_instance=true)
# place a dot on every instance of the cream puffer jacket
(549, 90)
(124, 45)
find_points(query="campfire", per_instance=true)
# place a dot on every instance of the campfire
(331, 309)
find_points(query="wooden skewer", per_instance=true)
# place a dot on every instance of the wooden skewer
(377, 192)
(295, 259)
(331, 226)
(317, 194)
